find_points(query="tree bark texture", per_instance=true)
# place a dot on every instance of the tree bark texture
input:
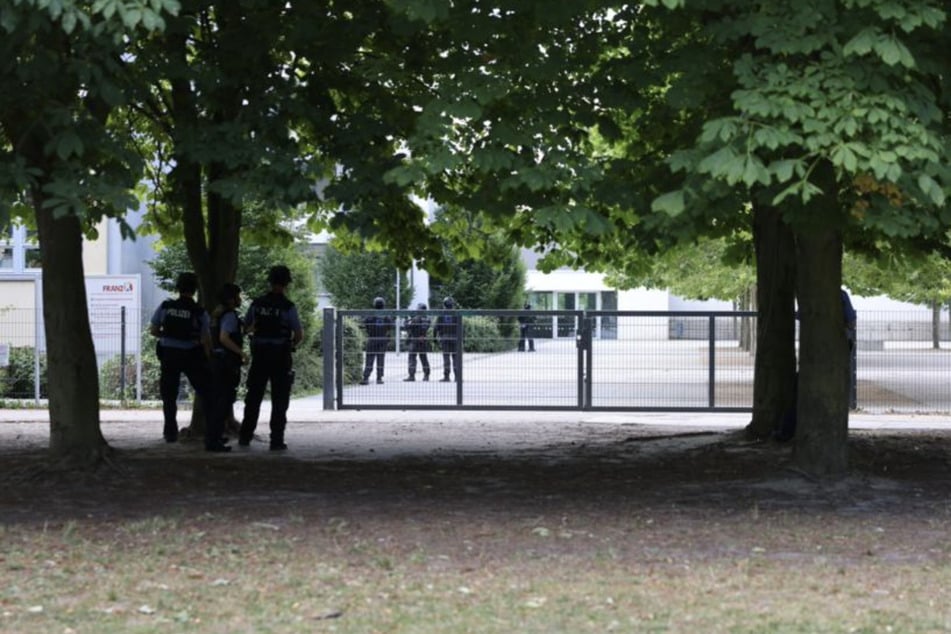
(821, 439)
(774, 375)
(75, 437)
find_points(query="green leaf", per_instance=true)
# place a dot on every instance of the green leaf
(69, 144)
(671, 203)
(893, 51)
(931, 189)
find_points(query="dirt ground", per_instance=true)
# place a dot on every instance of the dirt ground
(507, 472)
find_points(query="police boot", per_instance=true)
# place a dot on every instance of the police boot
(410, 378)
(445, 378)
(425, 376)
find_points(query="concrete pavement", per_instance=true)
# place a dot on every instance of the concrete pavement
(310, 410)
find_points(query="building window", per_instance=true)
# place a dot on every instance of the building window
(19, 251)
(6, 256)
(31, 251)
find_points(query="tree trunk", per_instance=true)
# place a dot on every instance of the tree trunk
(774, 375)
(823, 407)
(76, 440)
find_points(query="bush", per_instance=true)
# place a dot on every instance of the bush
(109, 374)
(356, 340)
(482, 335)
(18, 379)
(309, 364)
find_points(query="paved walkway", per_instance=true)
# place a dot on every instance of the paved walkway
(310, 410)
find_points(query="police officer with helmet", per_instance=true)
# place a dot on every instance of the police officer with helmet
(184, 347)
(275, 329)
(446, 331)
(417, 333)
(378, 328)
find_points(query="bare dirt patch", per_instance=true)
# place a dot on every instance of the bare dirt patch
(668, 510)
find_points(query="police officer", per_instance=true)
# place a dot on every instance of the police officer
(228, 355)
(417, 331)
(525, 339)
(275, 329)
(378, 328)
(182, 327)
(446, 331)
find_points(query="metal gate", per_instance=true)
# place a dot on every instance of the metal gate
(547, 360)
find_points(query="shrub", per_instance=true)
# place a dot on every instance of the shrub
(18, 379)
(482, 335)
(110, 373)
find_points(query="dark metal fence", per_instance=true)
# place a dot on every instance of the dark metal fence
(624, 361)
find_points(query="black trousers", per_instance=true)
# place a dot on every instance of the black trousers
(418, 348)
(376, 352)
(448, 347)
(269, 364)
(174, 363)
(226, 375)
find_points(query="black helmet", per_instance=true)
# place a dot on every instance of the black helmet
(186, 283)
(420, 306)
(448, 302)
(229, 293)
(528, 306)
(279, 275)
(378, 302)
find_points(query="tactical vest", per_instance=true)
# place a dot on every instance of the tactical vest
(181, 319)
(269, 313)
(446, 327)
(417, 327)
(377, 326)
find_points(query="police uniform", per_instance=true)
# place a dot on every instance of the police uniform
(446, 330)
(181, 324)
(417, 331)
(226, 366)
(525, 331)
(272, 319)
(378, 328)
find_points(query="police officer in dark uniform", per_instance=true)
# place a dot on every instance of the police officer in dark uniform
(184, 347)
(228, 355)
(417, 333)
(446, 331)
(275, 329)
(525, 339)
(379, 329)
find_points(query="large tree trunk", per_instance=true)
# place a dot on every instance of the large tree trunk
(75, 437)
(822, 431)
(775, 365)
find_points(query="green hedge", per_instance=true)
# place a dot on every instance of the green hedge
(18, 379)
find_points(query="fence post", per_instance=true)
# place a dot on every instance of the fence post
(122, 355)
(712, 362)
(330, 352)
(585, 359)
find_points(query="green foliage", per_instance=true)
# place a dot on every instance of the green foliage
(484, 334)
(354, 279)
(253, 264)
(484, 270)
(18, 380)
(355, 337)
(110, 374)
(707, 269)
(905, 276)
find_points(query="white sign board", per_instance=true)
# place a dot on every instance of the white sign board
(106, 297)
